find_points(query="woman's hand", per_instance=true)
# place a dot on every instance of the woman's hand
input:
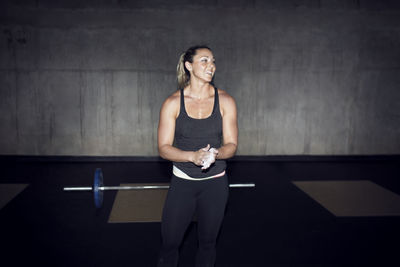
(205, 157)
(212, 155)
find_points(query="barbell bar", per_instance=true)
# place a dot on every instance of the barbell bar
(98, 187)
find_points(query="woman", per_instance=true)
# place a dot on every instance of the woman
(197, 131)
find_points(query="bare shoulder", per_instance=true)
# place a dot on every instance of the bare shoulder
(225, 98)
(174, 97)
(172, 103)
(227, 102)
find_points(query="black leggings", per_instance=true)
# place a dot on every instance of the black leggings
(208, 198)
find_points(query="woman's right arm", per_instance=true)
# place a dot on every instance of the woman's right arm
(166, 131)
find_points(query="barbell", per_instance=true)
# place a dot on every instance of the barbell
(98, 187)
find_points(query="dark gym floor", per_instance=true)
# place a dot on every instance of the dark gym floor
(275, 224)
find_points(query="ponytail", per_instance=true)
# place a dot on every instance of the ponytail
(181, 72)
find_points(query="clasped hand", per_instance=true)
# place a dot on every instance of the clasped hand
(205, 157)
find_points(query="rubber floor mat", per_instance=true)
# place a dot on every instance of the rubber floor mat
(144, 205)
(10, 191)
(352, 198)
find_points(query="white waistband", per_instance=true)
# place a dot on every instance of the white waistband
(180, 174)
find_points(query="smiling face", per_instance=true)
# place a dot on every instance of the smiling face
(203, 66)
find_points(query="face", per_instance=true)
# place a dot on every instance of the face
(203, 66)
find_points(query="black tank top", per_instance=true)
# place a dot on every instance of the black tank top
(192, 134)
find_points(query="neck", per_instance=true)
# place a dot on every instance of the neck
(199, 90)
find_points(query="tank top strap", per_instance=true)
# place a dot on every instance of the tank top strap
(182, 108)
(216, 101)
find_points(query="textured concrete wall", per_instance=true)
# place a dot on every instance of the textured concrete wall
(309, 76)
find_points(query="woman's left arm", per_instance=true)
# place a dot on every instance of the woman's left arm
(229, 126)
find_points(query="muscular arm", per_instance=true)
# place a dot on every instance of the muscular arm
(229, 127)
(166, 132)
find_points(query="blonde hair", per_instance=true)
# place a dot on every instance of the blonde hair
(183, 75)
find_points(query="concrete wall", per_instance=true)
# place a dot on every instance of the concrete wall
(310, 77)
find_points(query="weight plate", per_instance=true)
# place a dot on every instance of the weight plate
(97, 193)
